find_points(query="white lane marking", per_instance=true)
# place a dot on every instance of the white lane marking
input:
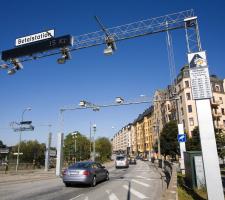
(149, 179)
(135, 192)
(140, 183)
(142, 170)
(76, 197)
(112, 196)
(107, 191)
(86, 198)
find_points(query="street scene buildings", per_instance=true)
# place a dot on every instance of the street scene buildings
(139, 137)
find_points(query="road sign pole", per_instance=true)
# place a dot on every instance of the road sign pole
(209, 150)
(201, 92)
(59, 154)
(47, 152)
(182, 148)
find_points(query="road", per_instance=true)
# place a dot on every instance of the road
(141, 181)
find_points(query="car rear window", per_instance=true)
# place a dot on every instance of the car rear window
(80, 166)
(120, 158)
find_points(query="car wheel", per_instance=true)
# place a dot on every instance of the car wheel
(93, 183)
(107, 176)
(67, 184)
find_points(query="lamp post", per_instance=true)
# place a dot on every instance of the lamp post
(94, 131)
(74, 134)
(18, 150)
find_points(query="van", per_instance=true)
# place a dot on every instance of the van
(121, 161)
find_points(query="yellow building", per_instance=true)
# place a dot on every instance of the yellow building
(143, 128)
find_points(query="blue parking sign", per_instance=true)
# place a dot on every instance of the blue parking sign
(181, 137)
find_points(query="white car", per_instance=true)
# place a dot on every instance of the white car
(121, 161)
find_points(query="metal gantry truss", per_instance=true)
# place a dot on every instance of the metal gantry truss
(184, 19)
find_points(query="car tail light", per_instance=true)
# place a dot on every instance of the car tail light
(86, 173)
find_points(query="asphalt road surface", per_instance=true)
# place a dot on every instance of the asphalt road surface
(141, 181)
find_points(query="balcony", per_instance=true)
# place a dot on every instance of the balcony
(219, 126)
(216, 103)
(216, 115)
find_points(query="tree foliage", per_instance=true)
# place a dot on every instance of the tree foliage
(168, 139)
(193, 143)
(32, 151)
(82, 148)
(220, 142)
(104, 148)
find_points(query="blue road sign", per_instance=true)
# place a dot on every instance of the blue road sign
(181, 137)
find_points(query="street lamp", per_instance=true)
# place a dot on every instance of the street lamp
(65, 56)
(94, 131)
(74, 134)
(18, 150)
(119, 100)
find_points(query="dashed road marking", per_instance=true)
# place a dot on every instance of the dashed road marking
(140, 183)
(135, 192)
(76, 197)
(149, 179)
(112, 196)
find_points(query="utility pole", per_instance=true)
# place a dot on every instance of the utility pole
(47, 153)
(94, 131)
(90, 140)
(18, 150)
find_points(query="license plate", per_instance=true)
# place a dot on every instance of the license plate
(74, 173)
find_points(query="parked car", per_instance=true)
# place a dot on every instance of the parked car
(85, 173)
(121, 161)
(138, 157)
(132, 160)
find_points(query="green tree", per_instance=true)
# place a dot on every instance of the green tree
(32, 150)
(193, 143)
(168, 140)
(220, 142)
(104, 148)
(82, 148)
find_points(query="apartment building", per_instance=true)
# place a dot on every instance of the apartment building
(143, 130)
(121, 141)
(187, 106)
(165, 109)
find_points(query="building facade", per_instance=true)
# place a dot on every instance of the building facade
(180, 106)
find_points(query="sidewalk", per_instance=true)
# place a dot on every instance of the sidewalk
(37, 174)
(25, 175)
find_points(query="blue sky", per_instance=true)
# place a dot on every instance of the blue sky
(139, 66)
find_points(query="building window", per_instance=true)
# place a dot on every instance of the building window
(180, 99)
(183, 123)
(217, 88)
(189, 108)
(224, 122)
(221, 99)
(191, 121)
(182, 111)
(168, 107)
(179, 87)
(186, 83)
(188, 96)
(222, 111)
